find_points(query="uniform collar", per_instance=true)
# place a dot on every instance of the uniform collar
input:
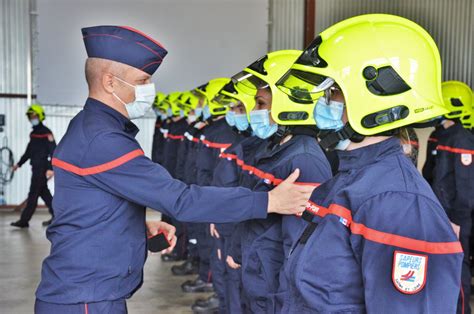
(361, 157)
(37, 127)
(272, 149)
(122, 122)
(456, 127)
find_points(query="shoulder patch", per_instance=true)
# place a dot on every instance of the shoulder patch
(466, 159)
(409, 271)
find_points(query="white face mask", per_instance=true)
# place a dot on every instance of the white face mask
(144, 97)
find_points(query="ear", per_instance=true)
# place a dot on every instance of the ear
(345, 118)
(108, 83)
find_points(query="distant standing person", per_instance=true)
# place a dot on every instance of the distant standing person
(39, 151)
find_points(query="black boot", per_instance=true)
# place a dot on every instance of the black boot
(211, 306)
(204, 302)
(197, 286)
(173, 257)
(47, 222)
(187, 268)
(20, 224)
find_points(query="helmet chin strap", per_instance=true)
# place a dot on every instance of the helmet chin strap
(281, 132)
(432, 123)
(285, 130)
(330, 138)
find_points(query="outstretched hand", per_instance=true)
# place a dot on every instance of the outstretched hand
(289, 198)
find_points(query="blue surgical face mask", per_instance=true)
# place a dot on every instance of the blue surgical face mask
(35, 121)
(181, 113)
(169, 112)
(198, 112)
(163, 116)
(260, 123)
(241, 122)
(191, 118)
(206, 113)
(230, 118)
(328, 116)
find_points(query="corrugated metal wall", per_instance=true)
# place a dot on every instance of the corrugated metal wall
(14, 46)
(286, 24)
(57, 119)
(450, 22)
(15, 19)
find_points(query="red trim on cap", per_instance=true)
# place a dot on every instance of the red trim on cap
(100, 168)
(146, 66)
(151, 50)
(138, 43)
(455, 150)
(143, 34)
(107, 35)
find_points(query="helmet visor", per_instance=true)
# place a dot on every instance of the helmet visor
(248, 83)
(304, 87)
(225, 100)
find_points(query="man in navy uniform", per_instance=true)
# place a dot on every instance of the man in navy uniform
(39, 151)
(104, 181)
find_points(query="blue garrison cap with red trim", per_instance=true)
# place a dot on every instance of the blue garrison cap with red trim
(124, 44)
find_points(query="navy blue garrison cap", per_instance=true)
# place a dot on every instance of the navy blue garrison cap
(124, 44)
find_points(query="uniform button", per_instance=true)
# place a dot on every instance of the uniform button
(129, 269)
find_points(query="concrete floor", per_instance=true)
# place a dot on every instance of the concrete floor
(23, 250)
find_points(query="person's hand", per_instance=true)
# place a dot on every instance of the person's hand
(49, 174)
(289, 198)
(213, 231)
(456, 229)
(155, 227)
(232, 264)
(15, 168)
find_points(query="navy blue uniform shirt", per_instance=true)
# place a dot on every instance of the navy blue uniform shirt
(103, 182)
(378, 242)
(40, 148)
